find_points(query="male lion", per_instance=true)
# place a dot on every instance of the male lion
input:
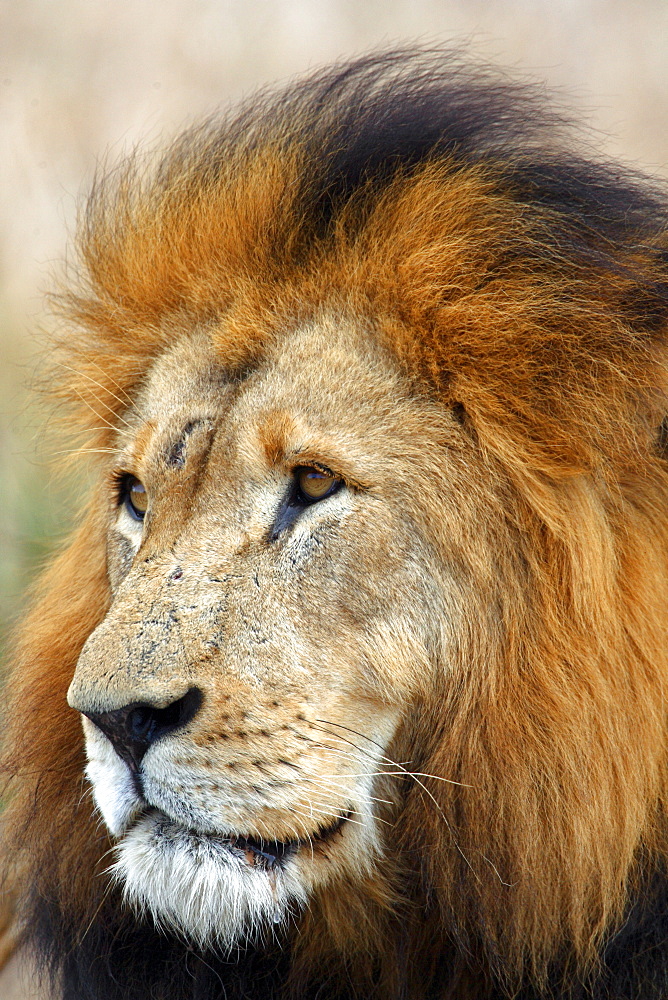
(367, 617)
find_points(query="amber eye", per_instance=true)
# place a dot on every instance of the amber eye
(316, 484)
(135, 497)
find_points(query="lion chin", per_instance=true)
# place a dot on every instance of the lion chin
(215, 891)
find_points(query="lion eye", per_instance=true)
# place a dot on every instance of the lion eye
(310, 484)
(316, 484)
(135, 497)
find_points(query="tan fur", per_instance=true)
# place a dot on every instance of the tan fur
(488, 601)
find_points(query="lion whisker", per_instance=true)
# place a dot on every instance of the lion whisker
(324, 812)
(104, 389)
(421, 785)
(113, 381)
(86, 451)
(356, 757)
(509, 885)
(105, 894)
(393, 763)
(324, 805)
(334, 778)
(108, 424)
(373, 798)
(81, 374)
(86, 792)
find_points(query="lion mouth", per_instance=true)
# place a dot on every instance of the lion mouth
(257, 852)
(267, 854)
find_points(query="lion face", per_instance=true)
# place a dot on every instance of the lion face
(276, 605)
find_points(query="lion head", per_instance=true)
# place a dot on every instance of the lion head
(365, 618)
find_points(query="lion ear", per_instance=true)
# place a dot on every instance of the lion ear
(43, 753)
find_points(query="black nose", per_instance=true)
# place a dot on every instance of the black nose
(134, 728)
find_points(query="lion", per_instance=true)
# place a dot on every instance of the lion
(351, 681)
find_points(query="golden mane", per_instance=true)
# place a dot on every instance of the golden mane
(525, 289)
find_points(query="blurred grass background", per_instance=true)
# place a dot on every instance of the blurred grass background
(83, 79)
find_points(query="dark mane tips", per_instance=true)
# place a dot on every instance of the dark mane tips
(364, 120)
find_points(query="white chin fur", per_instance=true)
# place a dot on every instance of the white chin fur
(195, 885)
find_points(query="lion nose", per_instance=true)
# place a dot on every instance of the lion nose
(135, 727)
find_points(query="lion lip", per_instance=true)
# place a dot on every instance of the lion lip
(258, 852)
(269, 853)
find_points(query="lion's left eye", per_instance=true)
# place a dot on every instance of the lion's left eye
(310, 485)
(135, 497)
(316, 484)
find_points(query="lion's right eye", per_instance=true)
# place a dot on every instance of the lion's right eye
(135, 497)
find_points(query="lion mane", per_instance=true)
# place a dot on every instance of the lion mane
(401, 283)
